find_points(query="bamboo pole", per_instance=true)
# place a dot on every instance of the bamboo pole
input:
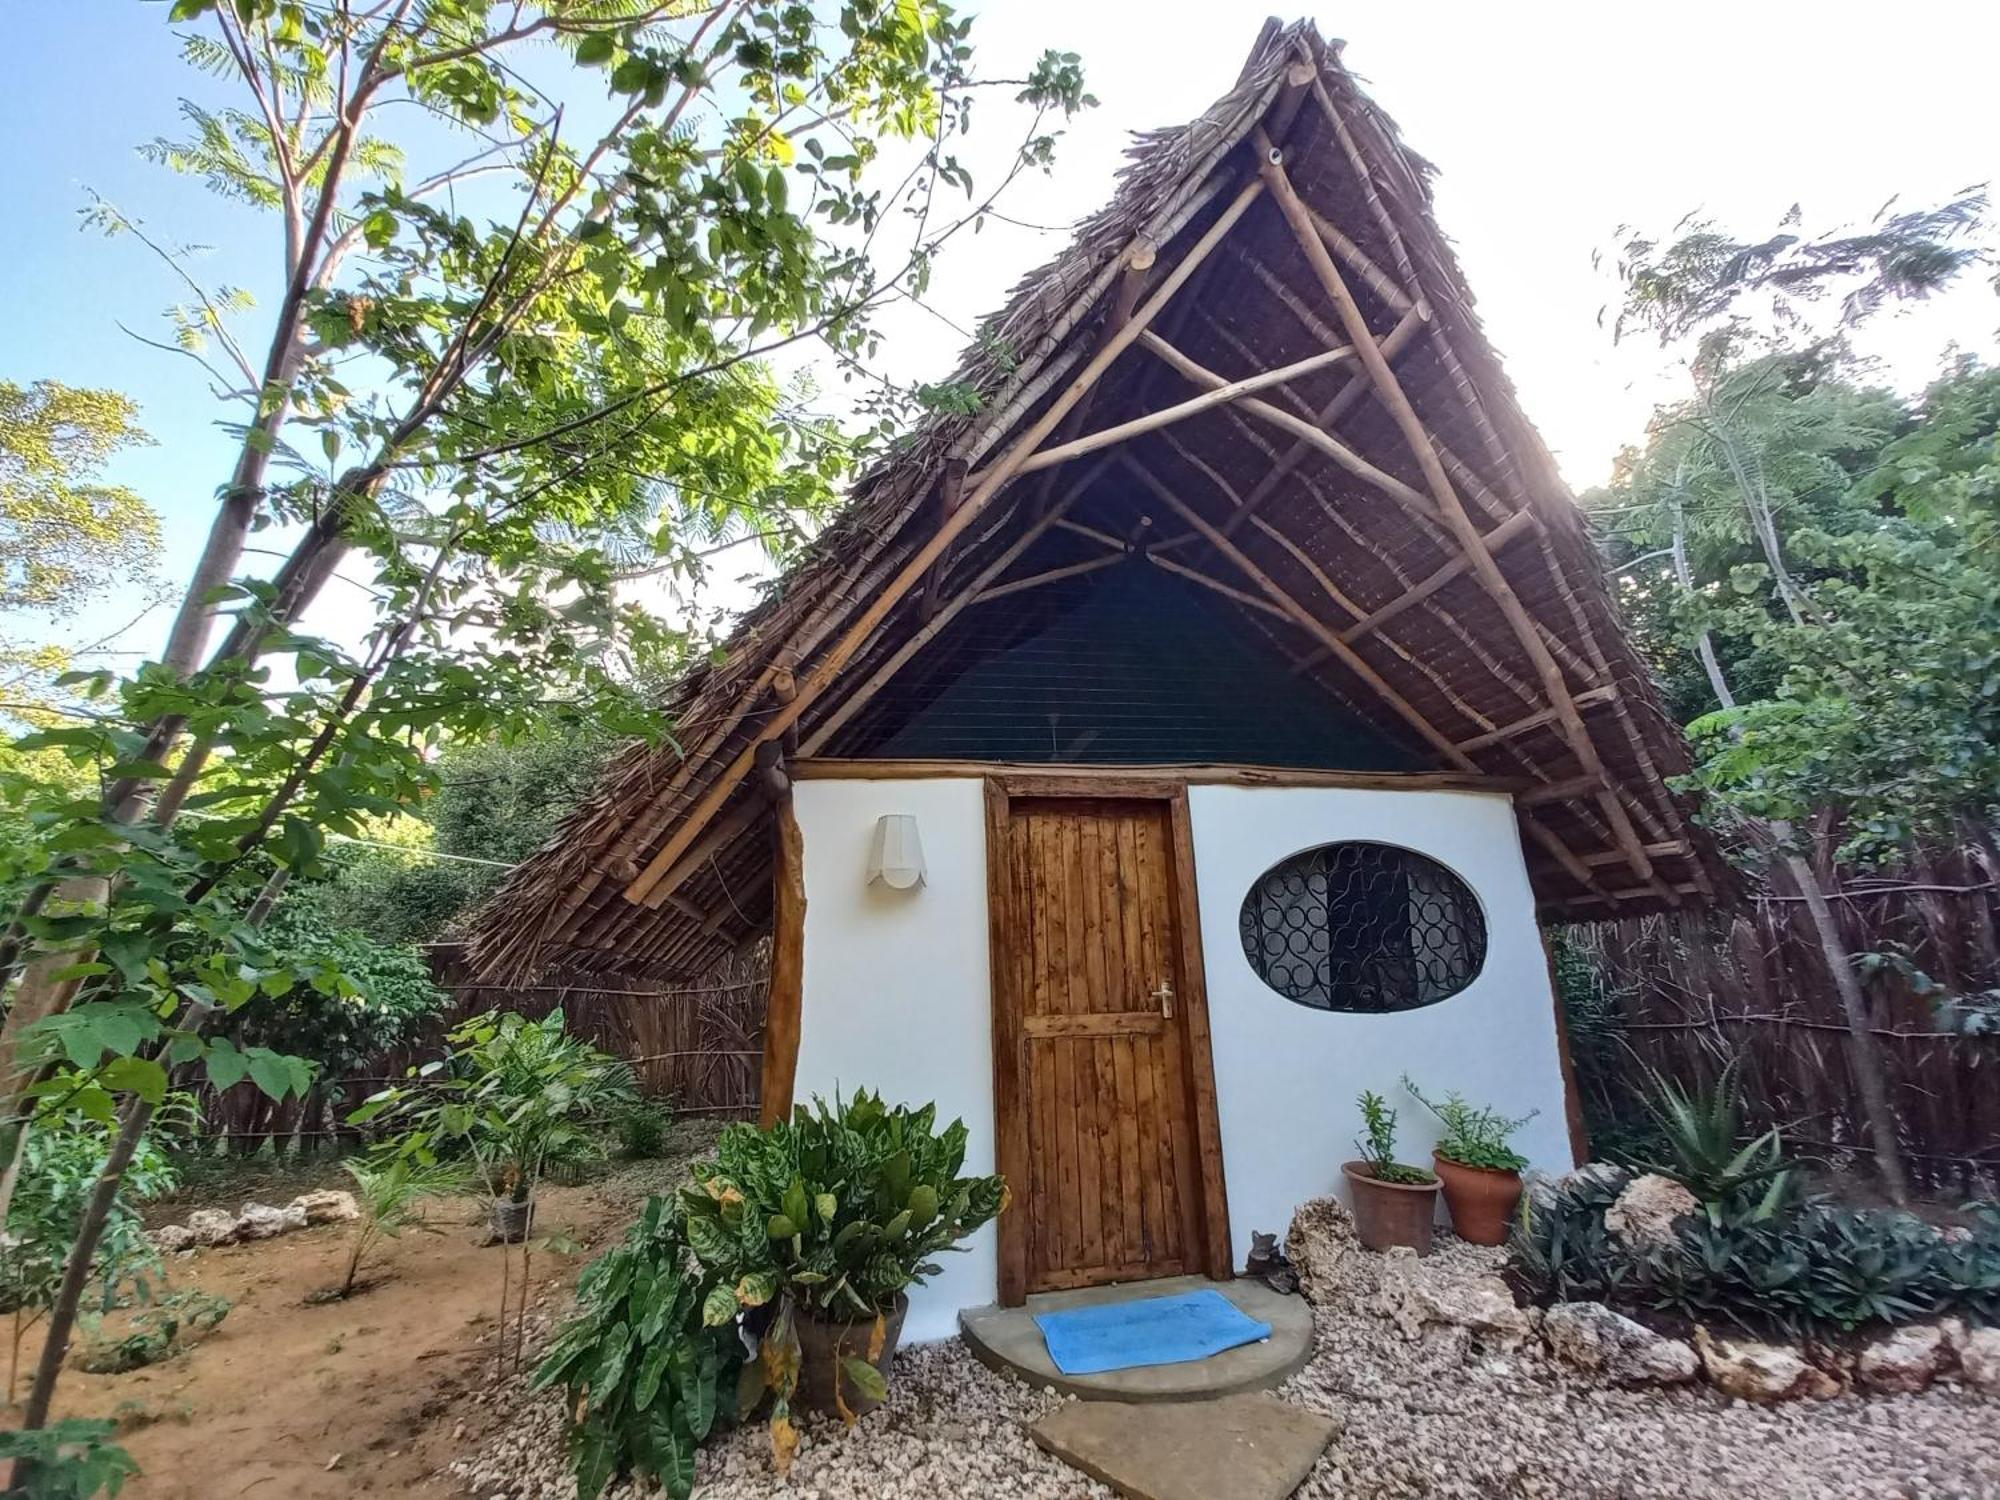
(1046, 577)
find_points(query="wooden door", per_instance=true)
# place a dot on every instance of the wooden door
(1093, 979)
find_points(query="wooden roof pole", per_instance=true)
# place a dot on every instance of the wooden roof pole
(1411, 499)
(1590, 699)
(1303, 617)
(1046, 577)
(829, 665)
(900, 657)
(1271, 166)
(1222, 395)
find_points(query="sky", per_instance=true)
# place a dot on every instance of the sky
(1552, 125)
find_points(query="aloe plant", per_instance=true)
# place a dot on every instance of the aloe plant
(1703, 1131)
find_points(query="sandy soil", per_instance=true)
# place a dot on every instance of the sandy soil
(290, 1400)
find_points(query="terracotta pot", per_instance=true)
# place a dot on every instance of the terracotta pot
(1482, 1201)
(823, 1345)
(1391, 1213)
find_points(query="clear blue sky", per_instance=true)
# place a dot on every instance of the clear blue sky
(1552, 124)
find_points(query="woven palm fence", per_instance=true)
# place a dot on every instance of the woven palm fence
(1686, 994)
(696, 1046)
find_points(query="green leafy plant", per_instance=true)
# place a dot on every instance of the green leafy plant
(1702, 1127)
(641, 1365)
(391, 1191)
(1808, 1270)
(509, 1093)
(73, 1459)
(834, 1215)
(159, 1330)
(1378, 1143)
(642, 1130)
(1474, 1136)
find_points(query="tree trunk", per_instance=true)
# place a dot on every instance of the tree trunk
(1863, 1054)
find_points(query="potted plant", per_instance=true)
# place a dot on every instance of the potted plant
(1480, 1172)
(1394, 1203)
(819, 1226)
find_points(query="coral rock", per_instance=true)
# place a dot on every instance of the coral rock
(1905, 1360)
(326, 1206)
(1648, 1210)
(1756, 1371)
(1979, 1359)
(259, 1221)
(172, 1237)
(211, 1226)
(1593, 1338)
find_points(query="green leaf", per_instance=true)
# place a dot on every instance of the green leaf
(136, 1075)
(867, 1379)
(270, 1072)
(718, 1307)
(595, 49)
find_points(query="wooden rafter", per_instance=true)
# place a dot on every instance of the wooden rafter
(1222, 395)
(1045, 577)
(1393, 398)
(1533, 721)
(828, 667)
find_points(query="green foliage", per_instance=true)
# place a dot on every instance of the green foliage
(163, 1328)
(64, 1153)
(73, 1459)
(391, 1190)
(841, 1208)
(510, 1094)
(641, 1366)
(362, 998)
(1702, 1128)
(64, 536)
(1378, 1144)
(1808, 1270)
(642, 1130)
(1473, 1136)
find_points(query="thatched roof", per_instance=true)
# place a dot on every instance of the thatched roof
(1308, 511)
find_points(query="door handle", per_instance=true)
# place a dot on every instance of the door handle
(1165, 995)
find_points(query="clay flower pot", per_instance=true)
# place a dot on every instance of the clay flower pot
(823, 1344)
(1481, 1201)
(1391, 1213)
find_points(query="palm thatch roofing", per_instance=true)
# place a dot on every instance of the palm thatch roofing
(1375, 511)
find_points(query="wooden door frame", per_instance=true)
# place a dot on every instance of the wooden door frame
(1191, 1014)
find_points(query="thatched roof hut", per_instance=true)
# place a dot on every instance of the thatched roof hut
(1255, 378)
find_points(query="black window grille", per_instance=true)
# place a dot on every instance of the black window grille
(1363, 927)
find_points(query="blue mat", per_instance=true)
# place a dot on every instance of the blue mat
(1151, 1331)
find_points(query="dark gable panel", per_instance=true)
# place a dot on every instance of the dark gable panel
(1129, 666)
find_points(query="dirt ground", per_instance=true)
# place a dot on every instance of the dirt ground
(291, 1400)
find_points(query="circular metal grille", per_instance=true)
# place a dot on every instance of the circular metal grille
(1363, 927)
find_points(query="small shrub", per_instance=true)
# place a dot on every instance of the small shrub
(641, 1367)
(1807, 1270)
(73, 1459)
(1378, 1144)
(1474, 1137)
(162, 1329)
(642, 1131)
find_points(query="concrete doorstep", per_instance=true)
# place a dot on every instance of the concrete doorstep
(1242, 1447)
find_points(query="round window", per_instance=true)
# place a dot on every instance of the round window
(1363, 927)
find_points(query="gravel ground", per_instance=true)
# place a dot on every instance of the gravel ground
(1438, 1417)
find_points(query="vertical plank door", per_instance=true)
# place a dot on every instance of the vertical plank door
(1093, 965)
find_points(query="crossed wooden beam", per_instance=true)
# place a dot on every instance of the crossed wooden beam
(1437, 506)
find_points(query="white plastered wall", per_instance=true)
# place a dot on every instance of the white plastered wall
(898, 996)
(1286, 1076)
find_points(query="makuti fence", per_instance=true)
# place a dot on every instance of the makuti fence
(1685, 995)
(696, 1045)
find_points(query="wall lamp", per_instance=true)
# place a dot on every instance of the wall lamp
(896, 854)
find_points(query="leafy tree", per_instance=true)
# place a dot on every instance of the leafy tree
(65, 536)
(1859, 685)
(483, 384)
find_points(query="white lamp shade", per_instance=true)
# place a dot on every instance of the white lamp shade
(896, 856)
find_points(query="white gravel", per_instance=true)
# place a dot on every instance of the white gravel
(1438, 1418)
